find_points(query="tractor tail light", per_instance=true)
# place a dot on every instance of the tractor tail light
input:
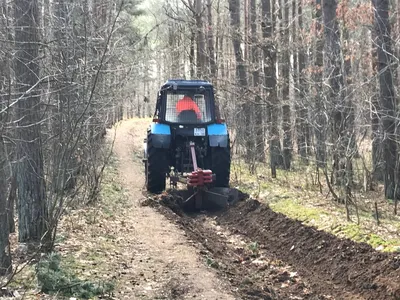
(156, 120)
(220, 121)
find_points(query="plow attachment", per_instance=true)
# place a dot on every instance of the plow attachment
(201, 194)
(203, 198)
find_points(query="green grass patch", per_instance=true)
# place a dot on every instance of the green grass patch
(295, 210)
(357, 233)
(112, 192)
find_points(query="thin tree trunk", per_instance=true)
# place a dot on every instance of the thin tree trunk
(174, 64)
(220, 58)
(286, 122)
(349, 133)
(259, 120)
(335, 89)
(12, 197)
(320, 126)
(378, 171)
(210, 40)
(32, 210)
(5, 101)
(269, 53)
(387, 97)
(246, 30)
(191, 53)
(5, 258)
(234, 8)
(201, 45)
(303, 129)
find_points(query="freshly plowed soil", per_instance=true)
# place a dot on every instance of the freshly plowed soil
(333, 264)
(266, 255)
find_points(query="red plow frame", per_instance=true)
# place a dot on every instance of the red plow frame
(200, 183)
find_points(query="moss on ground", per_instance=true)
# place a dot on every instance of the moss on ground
(293, 209)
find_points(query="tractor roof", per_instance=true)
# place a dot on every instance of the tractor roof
(186, 83)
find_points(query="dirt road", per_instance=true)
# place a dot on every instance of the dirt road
(167, 265)
(247, 252)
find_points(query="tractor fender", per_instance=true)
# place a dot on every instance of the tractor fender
(218, 135)
(161, 135)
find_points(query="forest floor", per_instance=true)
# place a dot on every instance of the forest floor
(150, 249)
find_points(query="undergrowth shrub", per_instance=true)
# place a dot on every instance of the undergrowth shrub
(53, 278)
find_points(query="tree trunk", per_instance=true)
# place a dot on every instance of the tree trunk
(32, 210)
(303, 129)
(378, 171)
(295, 73)
(269, 53)
(201, 45)
(210, 40)
(191, 53)
(320, 107)
(259, 120)
(286, 123)
(174, 64)
(349, 134)
(335, 89)
(5, 258)
(234, 8)
(387, 98)
(5, 100)
(246, 31)
(62, 60)
(12, 197)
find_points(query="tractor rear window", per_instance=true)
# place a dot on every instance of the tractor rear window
(187, 108)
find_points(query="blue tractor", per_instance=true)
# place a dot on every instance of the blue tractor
(187, 141)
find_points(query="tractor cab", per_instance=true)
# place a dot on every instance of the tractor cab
(189, 102)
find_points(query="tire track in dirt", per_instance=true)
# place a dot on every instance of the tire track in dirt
(327, 267)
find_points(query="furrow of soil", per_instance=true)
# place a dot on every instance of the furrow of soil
(328, 261)
(266, 255)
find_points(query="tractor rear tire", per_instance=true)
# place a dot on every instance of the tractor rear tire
(221, 165)
(156, 167)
